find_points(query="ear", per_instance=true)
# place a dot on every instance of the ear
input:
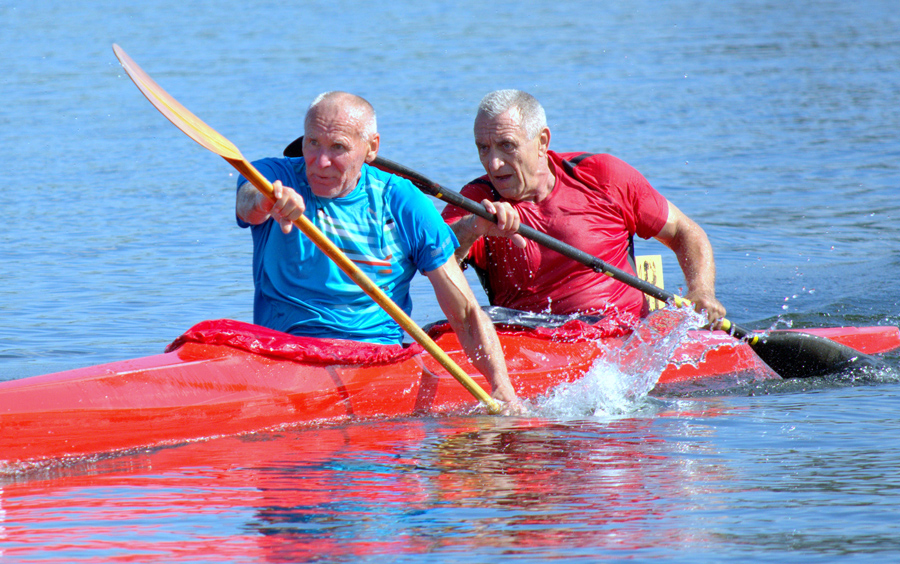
(544, 142)
(372, 149)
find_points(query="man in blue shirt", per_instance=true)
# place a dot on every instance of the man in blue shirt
(380, 221)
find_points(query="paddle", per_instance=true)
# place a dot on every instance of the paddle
(212, 140)
(791, 354)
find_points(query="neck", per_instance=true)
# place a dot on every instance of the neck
(347, 189)
(545, 182)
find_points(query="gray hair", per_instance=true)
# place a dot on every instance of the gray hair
(359, 107)
(531, 116)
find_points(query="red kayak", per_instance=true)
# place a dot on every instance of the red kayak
(227, 377)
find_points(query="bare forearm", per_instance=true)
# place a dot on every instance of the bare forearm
(695, 257)
(251, 205)
(470, 228)
(480, 342)
(466, 233)
(472, 326)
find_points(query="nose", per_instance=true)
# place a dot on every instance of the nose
(493, 161)
(323, 160)
(318, 158)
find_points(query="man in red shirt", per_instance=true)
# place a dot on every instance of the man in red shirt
(596, 203)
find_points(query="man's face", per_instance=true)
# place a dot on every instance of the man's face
(334, 149)
(510, 159)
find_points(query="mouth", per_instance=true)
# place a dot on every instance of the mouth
(326, 186)
(319, 179)
(501, 178)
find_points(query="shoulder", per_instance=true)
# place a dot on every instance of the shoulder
(400, 195)
(603, 171)
(601, 166)
(281, 168)
(280, 162)
(480, 189)
(375, 174)
(476, 190)
(388, 185)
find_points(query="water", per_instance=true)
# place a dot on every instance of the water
(774, 125)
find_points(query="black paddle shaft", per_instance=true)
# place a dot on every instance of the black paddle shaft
(791, 354)
(455, 198)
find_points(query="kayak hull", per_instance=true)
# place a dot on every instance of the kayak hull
(202, 390)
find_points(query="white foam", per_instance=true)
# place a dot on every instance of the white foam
(619, 383)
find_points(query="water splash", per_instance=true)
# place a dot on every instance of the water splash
(619, 383)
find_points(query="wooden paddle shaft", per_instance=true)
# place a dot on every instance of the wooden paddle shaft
(196, 129)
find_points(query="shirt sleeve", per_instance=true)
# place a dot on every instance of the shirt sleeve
(644, 209)
(430, 241)
(651, 208)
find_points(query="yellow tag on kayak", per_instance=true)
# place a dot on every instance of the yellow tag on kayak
(650, 269)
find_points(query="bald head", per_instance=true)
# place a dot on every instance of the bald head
(357, 110)
(339, 137)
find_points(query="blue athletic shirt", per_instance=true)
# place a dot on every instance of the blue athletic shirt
(385, 226)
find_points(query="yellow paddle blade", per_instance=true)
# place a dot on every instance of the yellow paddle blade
(175, 112)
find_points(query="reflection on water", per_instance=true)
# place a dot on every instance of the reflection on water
(696, 475)
(411, 487)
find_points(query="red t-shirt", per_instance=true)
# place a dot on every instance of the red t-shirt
(597, 212)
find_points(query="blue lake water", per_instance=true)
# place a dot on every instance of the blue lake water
(774, 125)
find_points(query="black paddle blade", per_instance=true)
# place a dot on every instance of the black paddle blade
(802, 355)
